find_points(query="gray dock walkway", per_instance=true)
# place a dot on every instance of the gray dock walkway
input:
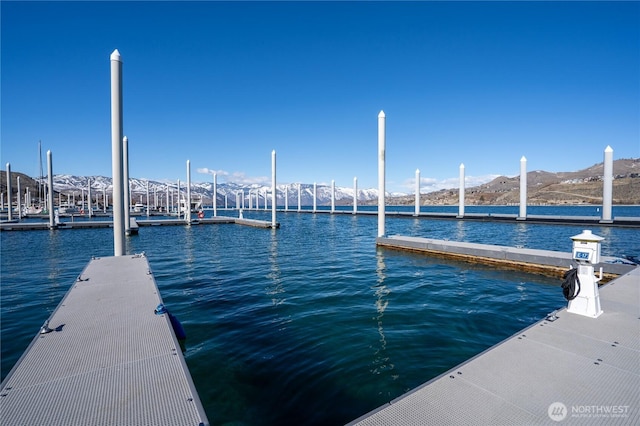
(546, 262)
(574, 370)
(109, 359)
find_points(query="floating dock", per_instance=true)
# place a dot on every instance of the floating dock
(135, 223)
(545, 262)
(567, 369)
(104, 357)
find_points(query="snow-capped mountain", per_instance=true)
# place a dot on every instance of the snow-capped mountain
(68, 184)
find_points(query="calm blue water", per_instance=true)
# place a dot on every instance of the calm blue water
(309, 323)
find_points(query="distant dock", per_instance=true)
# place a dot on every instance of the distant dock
(566, 369)
(627, 222)
(104, 357)
(135, 223)
(545, 262)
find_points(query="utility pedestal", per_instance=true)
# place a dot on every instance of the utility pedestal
(586, 251)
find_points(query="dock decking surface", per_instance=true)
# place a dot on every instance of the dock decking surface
(574, 370)
(110, 360)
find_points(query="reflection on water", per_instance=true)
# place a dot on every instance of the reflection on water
(461, 230)
(275, 288)
(381, 359)
(520, 239)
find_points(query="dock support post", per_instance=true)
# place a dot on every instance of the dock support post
(127, 185)
(523, 189)
(286, 198)
(187, 212)
(116, 155)
(381, 172)
(9, 194)
(299, 195)
(417, 211)
(18, 199)
(89, 206)
(355, 195)
(333, 196)
(215, 194)
(461, 192)
(52, 224)
(148, 203)
(607, 190)
(315, 192)
(274, 197)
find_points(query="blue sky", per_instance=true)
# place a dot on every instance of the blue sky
(223, 84)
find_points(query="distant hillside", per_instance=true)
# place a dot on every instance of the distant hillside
(581, 187)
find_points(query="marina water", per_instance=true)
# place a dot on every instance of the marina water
(309, 323)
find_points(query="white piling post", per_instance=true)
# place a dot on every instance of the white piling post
(127, 185)
(166, 209)
(226, 204)
(89, 206)
(148, 199)
(18, 198)
(274, 198)
(333, 196)
(523, 188)
(116, 155)
(355, 195)
(315, 192)
(381, 172)
(461, 192)
(9, 193)
(417, 209)
(299, 196)
(286, 198)
(607, 189)
(215, 194)
(266, 202)
(188, 203)
(178, 201)
(50, 194)
(104, 199)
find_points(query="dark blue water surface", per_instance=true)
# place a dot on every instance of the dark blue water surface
(309, 323)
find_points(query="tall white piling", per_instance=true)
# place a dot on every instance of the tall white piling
(286, 198)
(127, 185)
(315, 193)
(89, 206)
(266, 202)
(104, 199)
(607, 189)
(417, 209)
(381, 172)
(299, 196)
(355, 195)
(148, 203)
(116, 155)
(50, 185)
(274, 197)
(461, 192)
(178, 202)
(166, 207)
(18, 198)
(215, 194)
(523, 188)
(188, 203)
(333, 195)
(226, 202)
(9, 193)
